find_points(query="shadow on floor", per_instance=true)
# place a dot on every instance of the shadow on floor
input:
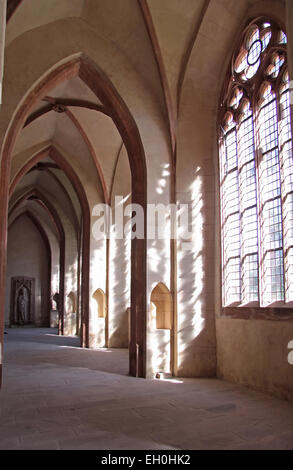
(40, 335)
(43, 346)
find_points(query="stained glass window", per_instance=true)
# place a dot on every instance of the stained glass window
(256, 165)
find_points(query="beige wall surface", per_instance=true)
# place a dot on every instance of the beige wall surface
(255, 353)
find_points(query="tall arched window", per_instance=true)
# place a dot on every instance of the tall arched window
(256, 171)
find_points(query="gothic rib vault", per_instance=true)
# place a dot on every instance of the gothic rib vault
(120, 98)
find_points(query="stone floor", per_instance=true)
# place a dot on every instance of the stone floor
(58, 396)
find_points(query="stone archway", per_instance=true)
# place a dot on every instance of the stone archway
(20, 282)
(99, 83)
(39, 196)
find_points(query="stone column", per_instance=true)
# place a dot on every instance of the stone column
(2, 41)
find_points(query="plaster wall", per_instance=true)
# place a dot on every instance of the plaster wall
(120, 259)
(255, 353)
(195, 250)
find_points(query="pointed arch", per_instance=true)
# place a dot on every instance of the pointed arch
(88, 71)
(100, 298)
(56, 155)
(40, 198)
(46, 242)
(161, 306)
(12, 5)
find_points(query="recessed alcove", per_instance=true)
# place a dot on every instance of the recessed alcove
(100, 298)
(161, 306)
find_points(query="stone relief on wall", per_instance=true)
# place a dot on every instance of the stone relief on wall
(23, 309)
(22, 301)
(70, 303)
(56, 301)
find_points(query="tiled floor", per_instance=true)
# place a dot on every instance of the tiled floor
(58, 396)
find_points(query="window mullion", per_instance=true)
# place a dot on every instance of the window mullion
(230, 218)
(286, 164)
(270, 207)
(248, 210)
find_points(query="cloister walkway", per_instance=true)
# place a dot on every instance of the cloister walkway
(56, 395)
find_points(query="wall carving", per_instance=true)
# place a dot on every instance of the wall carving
(71, 303)
(22, 301)
(56, 301)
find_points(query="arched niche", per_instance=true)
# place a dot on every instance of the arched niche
(100, 298)
(161, 307)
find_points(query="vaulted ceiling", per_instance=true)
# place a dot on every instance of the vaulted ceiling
(158, 37)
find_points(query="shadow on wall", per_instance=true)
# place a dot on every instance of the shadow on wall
(119, 290)
(70, 314)
(62, 351)
(196, 324)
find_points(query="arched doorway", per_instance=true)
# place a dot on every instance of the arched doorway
(29, 301)
(57, 157)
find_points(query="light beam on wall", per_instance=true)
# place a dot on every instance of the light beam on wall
(190, 259)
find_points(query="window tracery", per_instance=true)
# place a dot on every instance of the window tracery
(256, 171)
